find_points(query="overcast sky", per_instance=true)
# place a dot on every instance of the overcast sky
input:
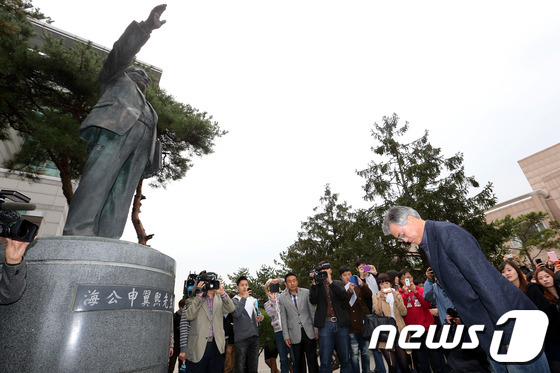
(298, 85)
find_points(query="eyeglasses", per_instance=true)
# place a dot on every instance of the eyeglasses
(401, 235)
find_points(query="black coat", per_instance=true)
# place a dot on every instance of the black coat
(535, 292)
(318, 296)
(177, 332)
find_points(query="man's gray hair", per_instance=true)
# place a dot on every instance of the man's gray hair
(397, 215)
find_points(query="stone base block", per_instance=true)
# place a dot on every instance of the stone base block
(91, 305)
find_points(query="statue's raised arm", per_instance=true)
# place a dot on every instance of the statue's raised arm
(154, 22)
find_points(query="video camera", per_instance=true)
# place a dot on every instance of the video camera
(319, 273)
(190, 284)
(210, 280)
(11, 224)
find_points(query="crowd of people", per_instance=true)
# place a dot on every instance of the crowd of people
(332, 311)
(460, 288)
(219, 332)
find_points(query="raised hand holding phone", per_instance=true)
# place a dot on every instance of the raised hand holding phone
(553, 257)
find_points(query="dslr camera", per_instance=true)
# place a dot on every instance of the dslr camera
(320, 274)
(454, 314)
(274, 288)
(11, 224)
(210, 280)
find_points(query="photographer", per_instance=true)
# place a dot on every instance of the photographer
(389, 302)
(205, 311)
(434, 293)
(357, 291)
(331, 317)
(425, 359)
(14, 271)
(272, 308)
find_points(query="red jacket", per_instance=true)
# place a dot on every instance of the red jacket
(418, 309)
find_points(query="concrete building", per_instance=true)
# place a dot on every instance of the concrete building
(46, 192)
(542, 170)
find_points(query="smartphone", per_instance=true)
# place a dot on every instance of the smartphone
(354, 280)
(366, 268)
(387, 290)
(509, 256)
(538, 261)
(274, 288)
(552, 256)
(407, 281)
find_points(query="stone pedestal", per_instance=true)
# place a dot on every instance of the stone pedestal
(91, 305)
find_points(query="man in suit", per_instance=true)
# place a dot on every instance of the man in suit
(206, 346)
(479, 292)
(296, 317)
(121, 133)
(331, 319)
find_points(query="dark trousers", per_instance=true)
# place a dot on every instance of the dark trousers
(305, 350)
(173, 360)
(282, 352)
(212, 361)
(330, 336)
(424, 358)
(247, 355)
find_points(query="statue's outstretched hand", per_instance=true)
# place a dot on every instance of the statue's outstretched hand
(153, 22)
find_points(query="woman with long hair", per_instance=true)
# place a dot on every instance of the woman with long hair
(545, 296)
(388, 302)
(545, 277)
(513, 273)
(545, 286)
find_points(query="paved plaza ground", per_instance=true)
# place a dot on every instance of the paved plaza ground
(263, 368)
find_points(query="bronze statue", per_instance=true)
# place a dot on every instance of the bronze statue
(121, 134)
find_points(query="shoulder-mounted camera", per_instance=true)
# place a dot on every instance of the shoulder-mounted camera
(319, 273)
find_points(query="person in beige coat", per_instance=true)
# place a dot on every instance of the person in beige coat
(206, 346)
(388, 302)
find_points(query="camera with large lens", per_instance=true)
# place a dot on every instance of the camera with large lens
(210, 280)
(320, 274)
(11, 224)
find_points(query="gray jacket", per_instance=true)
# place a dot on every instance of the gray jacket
(294, 319)
(243, 325)
(12, 282)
